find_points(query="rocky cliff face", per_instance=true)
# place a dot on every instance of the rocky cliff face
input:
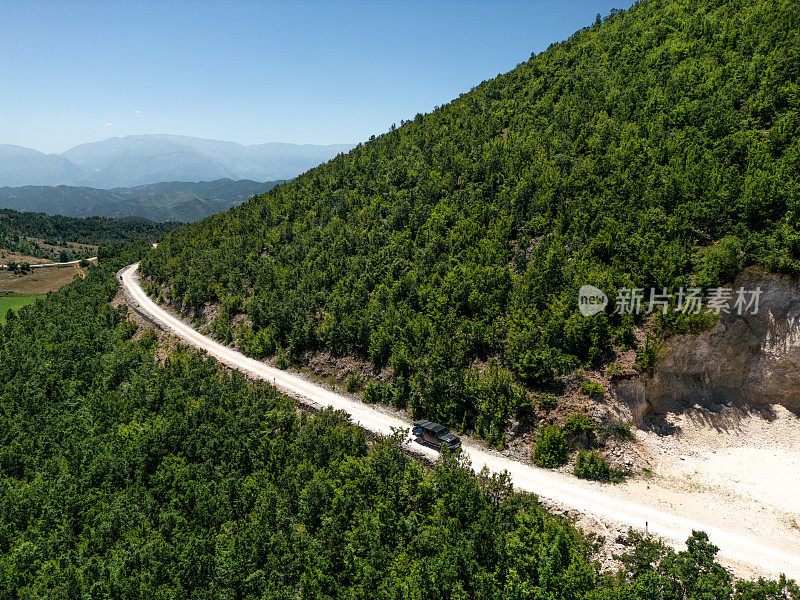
(749, 360)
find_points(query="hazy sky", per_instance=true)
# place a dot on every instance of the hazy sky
(254, 72)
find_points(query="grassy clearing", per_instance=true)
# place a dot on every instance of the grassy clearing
(39, 281)
(13, 303)
(53, 250)
(15, 257)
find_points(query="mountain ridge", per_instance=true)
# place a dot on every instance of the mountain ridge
(154, 158)
(166, 201)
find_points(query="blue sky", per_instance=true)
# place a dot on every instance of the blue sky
(254, 72)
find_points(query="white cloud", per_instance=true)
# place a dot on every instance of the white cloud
(108, 125)
(138, 112)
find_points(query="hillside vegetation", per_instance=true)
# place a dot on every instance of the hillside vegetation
(123, 476)
(179, 201)
(658, 147)
(40, 235)
(8, 303)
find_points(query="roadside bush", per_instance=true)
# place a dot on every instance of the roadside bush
(590, 465)
(377, 393)
(551, 449)
(497, 398)
(353, 383)
(578, 424)
(618, 429)
(592, 388)
(258, 344)
(580, 431)
(281, 359)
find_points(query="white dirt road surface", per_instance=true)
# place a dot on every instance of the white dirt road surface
(751, 539)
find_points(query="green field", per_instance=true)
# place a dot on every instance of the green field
(13, 303)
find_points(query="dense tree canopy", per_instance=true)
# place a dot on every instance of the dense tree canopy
(16, 229)
(126, 477)
(659, 147)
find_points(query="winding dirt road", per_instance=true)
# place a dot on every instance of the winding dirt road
(739, 545)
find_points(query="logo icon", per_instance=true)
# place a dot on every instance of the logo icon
(591, 300)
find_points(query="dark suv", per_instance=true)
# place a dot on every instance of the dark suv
(433, 434)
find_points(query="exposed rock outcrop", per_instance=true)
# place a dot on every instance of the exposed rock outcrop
(750, 360)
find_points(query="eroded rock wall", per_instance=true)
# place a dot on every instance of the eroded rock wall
(748, 360)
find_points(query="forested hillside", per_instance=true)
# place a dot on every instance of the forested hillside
(25, 232)
(127, 476)
(659, 147)
(184, 202)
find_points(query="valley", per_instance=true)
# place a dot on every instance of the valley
(177, 201)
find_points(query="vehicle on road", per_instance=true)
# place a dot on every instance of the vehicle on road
(433, 434)
(625, 506)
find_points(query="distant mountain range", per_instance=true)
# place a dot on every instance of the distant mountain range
(145, 159)
(171, 201)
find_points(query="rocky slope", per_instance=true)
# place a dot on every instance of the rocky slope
(748, 361)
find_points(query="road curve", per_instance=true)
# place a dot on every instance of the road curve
(586, 497)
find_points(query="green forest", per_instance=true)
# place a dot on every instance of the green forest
(128, 475)
(17, 227)
(659, 147)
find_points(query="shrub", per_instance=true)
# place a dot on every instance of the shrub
(590, 465)
(578, 424)
(548, 402)
(259, 344)
(540, 367)
(496, 397)
(624, 335)
(614, 369)
(551, 449)
(281, 359)
(618, 429)
(377, 392)
(149, 339)
(398, 392)
(647, 355)
(720, 262)
(353, 383)
(592, 388)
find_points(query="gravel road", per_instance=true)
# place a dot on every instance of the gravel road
(602, 502)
